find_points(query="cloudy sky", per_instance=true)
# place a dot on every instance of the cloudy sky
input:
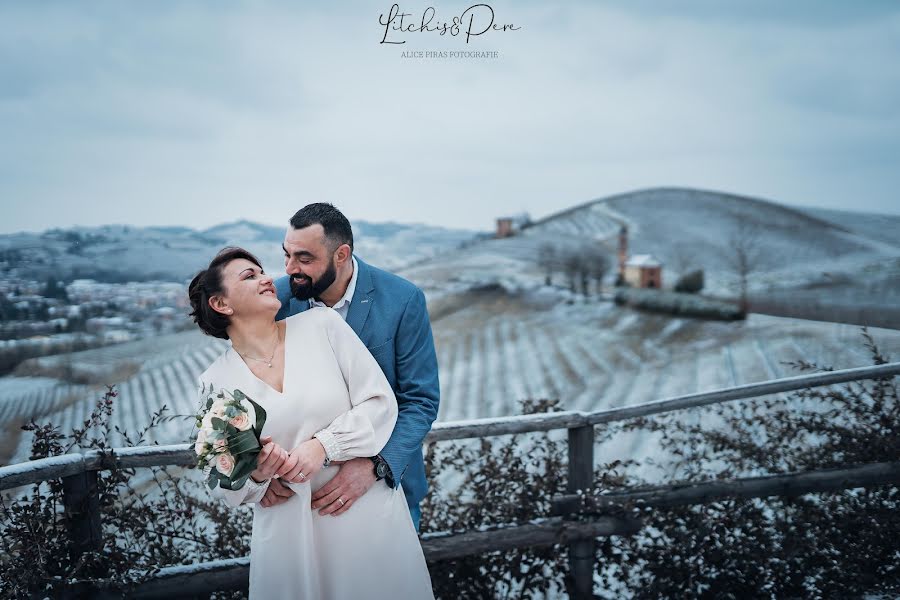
(197, 113)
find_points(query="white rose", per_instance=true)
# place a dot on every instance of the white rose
(200, 443)
(218, 409)
(207, 422)
(225, 464)
(241, 422)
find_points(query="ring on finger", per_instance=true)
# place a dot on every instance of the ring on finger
(301, 475)
(341, 500)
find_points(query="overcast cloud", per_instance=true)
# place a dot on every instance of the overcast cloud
(204, 112)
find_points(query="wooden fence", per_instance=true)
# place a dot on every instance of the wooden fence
(79, 476)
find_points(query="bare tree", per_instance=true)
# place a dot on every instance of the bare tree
(744, 255)
(572, 266)
(598, 265)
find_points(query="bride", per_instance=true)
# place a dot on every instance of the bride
(326, 400)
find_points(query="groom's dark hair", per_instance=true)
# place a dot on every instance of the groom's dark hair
(337, 227)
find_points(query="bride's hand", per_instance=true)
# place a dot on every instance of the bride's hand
(306, 460)
(270, 459)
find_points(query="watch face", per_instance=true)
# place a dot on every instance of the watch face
(381, 470)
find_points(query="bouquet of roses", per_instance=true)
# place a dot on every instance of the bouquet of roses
(227, 443)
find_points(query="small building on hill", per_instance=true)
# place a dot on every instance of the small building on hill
(504, 228)
(510, 226)
(644, 271)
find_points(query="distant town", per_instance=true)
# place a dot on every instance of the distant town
(38, 318)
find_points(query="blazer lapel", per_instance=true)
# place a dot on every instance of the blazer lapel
(362, 298)
(289, 304)
(298, 306)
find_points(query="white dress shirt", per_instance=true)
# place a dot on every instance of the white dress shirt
(342, 306)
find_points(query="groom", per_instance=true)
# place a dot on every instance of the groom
(389, 315)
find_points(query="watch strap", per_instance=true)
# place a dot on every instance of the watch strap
(382, 470)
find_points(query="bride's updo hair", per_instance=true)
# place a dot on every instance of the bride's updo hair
(208, 283)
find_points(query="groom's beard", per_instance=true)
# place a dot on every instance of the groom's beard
(304, 288)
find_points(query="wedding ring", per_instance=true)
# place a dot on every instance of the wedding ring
(301, 475)
(341, 500)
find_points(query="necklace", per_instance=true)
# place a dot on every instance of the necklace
(269, 360)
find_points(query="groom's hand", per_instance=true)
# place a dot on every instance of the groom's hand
(352, 481)
(276, 494)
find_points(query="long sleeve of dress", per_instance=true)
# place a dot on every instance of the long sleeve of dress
(250, 493)
(364, 429)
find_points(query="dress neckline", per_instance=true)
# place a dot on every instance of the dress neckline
(284, 375)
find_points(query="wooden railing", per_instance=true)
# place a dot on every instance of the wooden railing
(79, 476)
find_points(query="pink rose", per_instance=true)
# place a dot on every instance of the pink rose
(241, 422)
(220, 445)
(225, 464)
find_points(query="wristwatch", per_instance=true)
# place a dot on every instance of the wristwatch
(382, 470)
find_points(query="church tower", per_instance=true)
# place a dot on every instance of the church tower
(623, 251)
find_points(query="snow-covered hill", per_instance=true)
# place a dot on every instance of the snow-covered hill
(687, 229)
(884, 228)
(127, 253)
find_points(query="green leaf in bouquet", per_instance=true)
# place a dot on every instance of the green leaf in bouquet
(239, 395)
(239, 482)
(213, 479)
(219, 424)
(240, 442)
(244, 466)
(260, 416)
(232, 483)
(224, 481)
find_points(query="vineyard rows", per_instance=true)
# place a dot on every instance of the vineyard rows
(493, 354)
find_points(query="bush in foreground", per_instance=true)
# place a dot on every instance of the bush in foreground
(815, 545)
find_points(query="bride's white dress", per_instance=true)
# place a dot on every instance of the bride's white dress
(334, 387)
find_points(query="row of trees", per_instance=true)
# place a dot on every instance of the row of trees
(583, 268)
(579, 267)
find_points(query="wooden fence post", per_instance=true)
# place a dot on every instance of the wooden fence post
(82, 506)
(581, 477)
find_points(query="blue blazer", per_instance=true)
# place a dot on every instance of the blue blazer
(388, 313)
